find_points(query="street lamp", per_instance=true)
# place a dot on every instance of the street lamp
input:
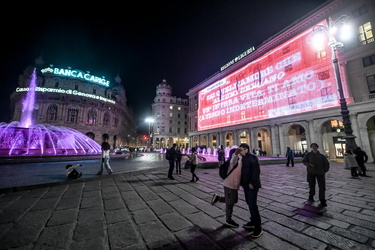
(149, 120)
(330, 30)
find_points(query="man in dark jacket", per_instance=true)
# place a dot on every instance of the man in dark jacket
(317, 166)
(361, 157)
(172, 155)
(250, 182)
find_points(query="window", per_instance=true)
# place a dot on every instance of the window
(72, 114)
(94, 91)
(179, 108)
(365, 33)
(106, 119)
(170, 107)
(52, 113)
(76, 87)
(56, 84)
(360, 11)
(170, 114)
(116, 122)
(170, 129)
(322, 53)
(369, 60)
(371, 83)
(91, 117)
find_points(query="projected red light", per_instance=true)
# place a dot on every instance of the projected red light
(294, 77)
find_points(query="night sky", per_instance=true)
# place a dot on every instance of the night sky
(144, 42)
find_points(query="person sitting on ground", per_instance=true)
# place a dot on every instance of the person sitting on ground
(71, 172)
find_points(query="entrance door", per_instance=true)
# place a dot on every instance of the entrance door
(339, 143)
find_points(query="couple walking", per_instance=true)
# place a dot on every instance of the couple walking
(246, 173)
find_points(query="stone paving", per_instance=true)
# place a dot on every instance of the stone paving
(145, 210)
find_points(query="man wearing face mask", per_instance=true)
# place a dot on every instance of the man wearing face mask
(250, 182)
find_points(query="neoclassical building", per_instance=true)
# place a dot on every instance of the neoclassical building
(170, 114)
(80, 100)
(285, 93)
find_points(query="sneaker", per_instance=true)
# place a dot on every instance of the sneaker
(257, 233)
(248, 225)
(231, 223)
(215, 198)
(323, 204)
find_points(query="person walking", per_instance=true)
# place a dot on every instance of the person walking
(317, 166)
(105, 159)
(221, 155)
(178, 160)
(361, 157)
(171, 157)
(350, 161)
(289, 156)
(231, 185)
(194, 163)
(250, 182)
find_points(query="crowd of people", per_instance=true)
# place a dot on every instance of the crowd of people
(244, 171)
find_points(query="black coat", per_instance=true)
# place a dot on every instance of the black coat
(250, 173)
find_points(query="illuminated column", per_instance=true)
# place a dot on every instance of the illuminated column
(275, 143)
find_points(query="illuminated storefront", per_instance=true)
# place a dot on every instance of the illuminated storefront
(80, 100)
(284, 93)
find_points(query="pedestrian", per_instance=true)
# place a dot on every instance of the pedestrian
(361, 158)
(178, 160)
(71, 172)
(317, 166)
(250, 182)
(171, 157)
(194, 163)
(105, 159)
(221, 155)
(231, 185)
(289, 156)
(350, 161)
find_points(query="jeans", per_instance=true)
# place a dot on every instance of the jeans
(251, 196)
(311, 179)
(290, 159)
(171, 167)
(105, 162)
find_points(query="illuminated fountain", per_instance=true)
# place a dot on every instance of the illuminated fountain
(25, 139)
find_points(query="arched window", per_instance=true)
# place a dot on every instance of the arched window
(72, 114)
(106, 119)
(91, 116)
(52, 113)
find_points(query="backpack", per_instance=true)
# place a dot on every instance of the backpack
(223, 169)
(167, 156)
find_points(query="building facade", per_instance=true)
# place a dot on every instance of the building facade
(79, 100)
(170, 114)
(284, 93)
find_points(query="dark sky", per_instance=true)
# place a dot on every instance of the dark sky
(183, 42)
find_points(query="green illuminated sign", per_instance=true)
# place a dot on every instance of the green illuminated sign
(76, 74)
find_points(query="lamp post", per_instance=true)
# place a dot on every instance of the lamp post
(335, 46)
(149, 120)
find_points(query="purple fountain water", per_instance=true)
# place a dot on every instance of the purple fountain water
(25, 139)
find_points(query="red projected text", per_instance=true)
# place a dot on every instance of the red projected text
(292, 78)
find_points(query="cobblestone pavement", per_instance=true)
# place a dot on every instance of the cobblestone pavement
(145, 210)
